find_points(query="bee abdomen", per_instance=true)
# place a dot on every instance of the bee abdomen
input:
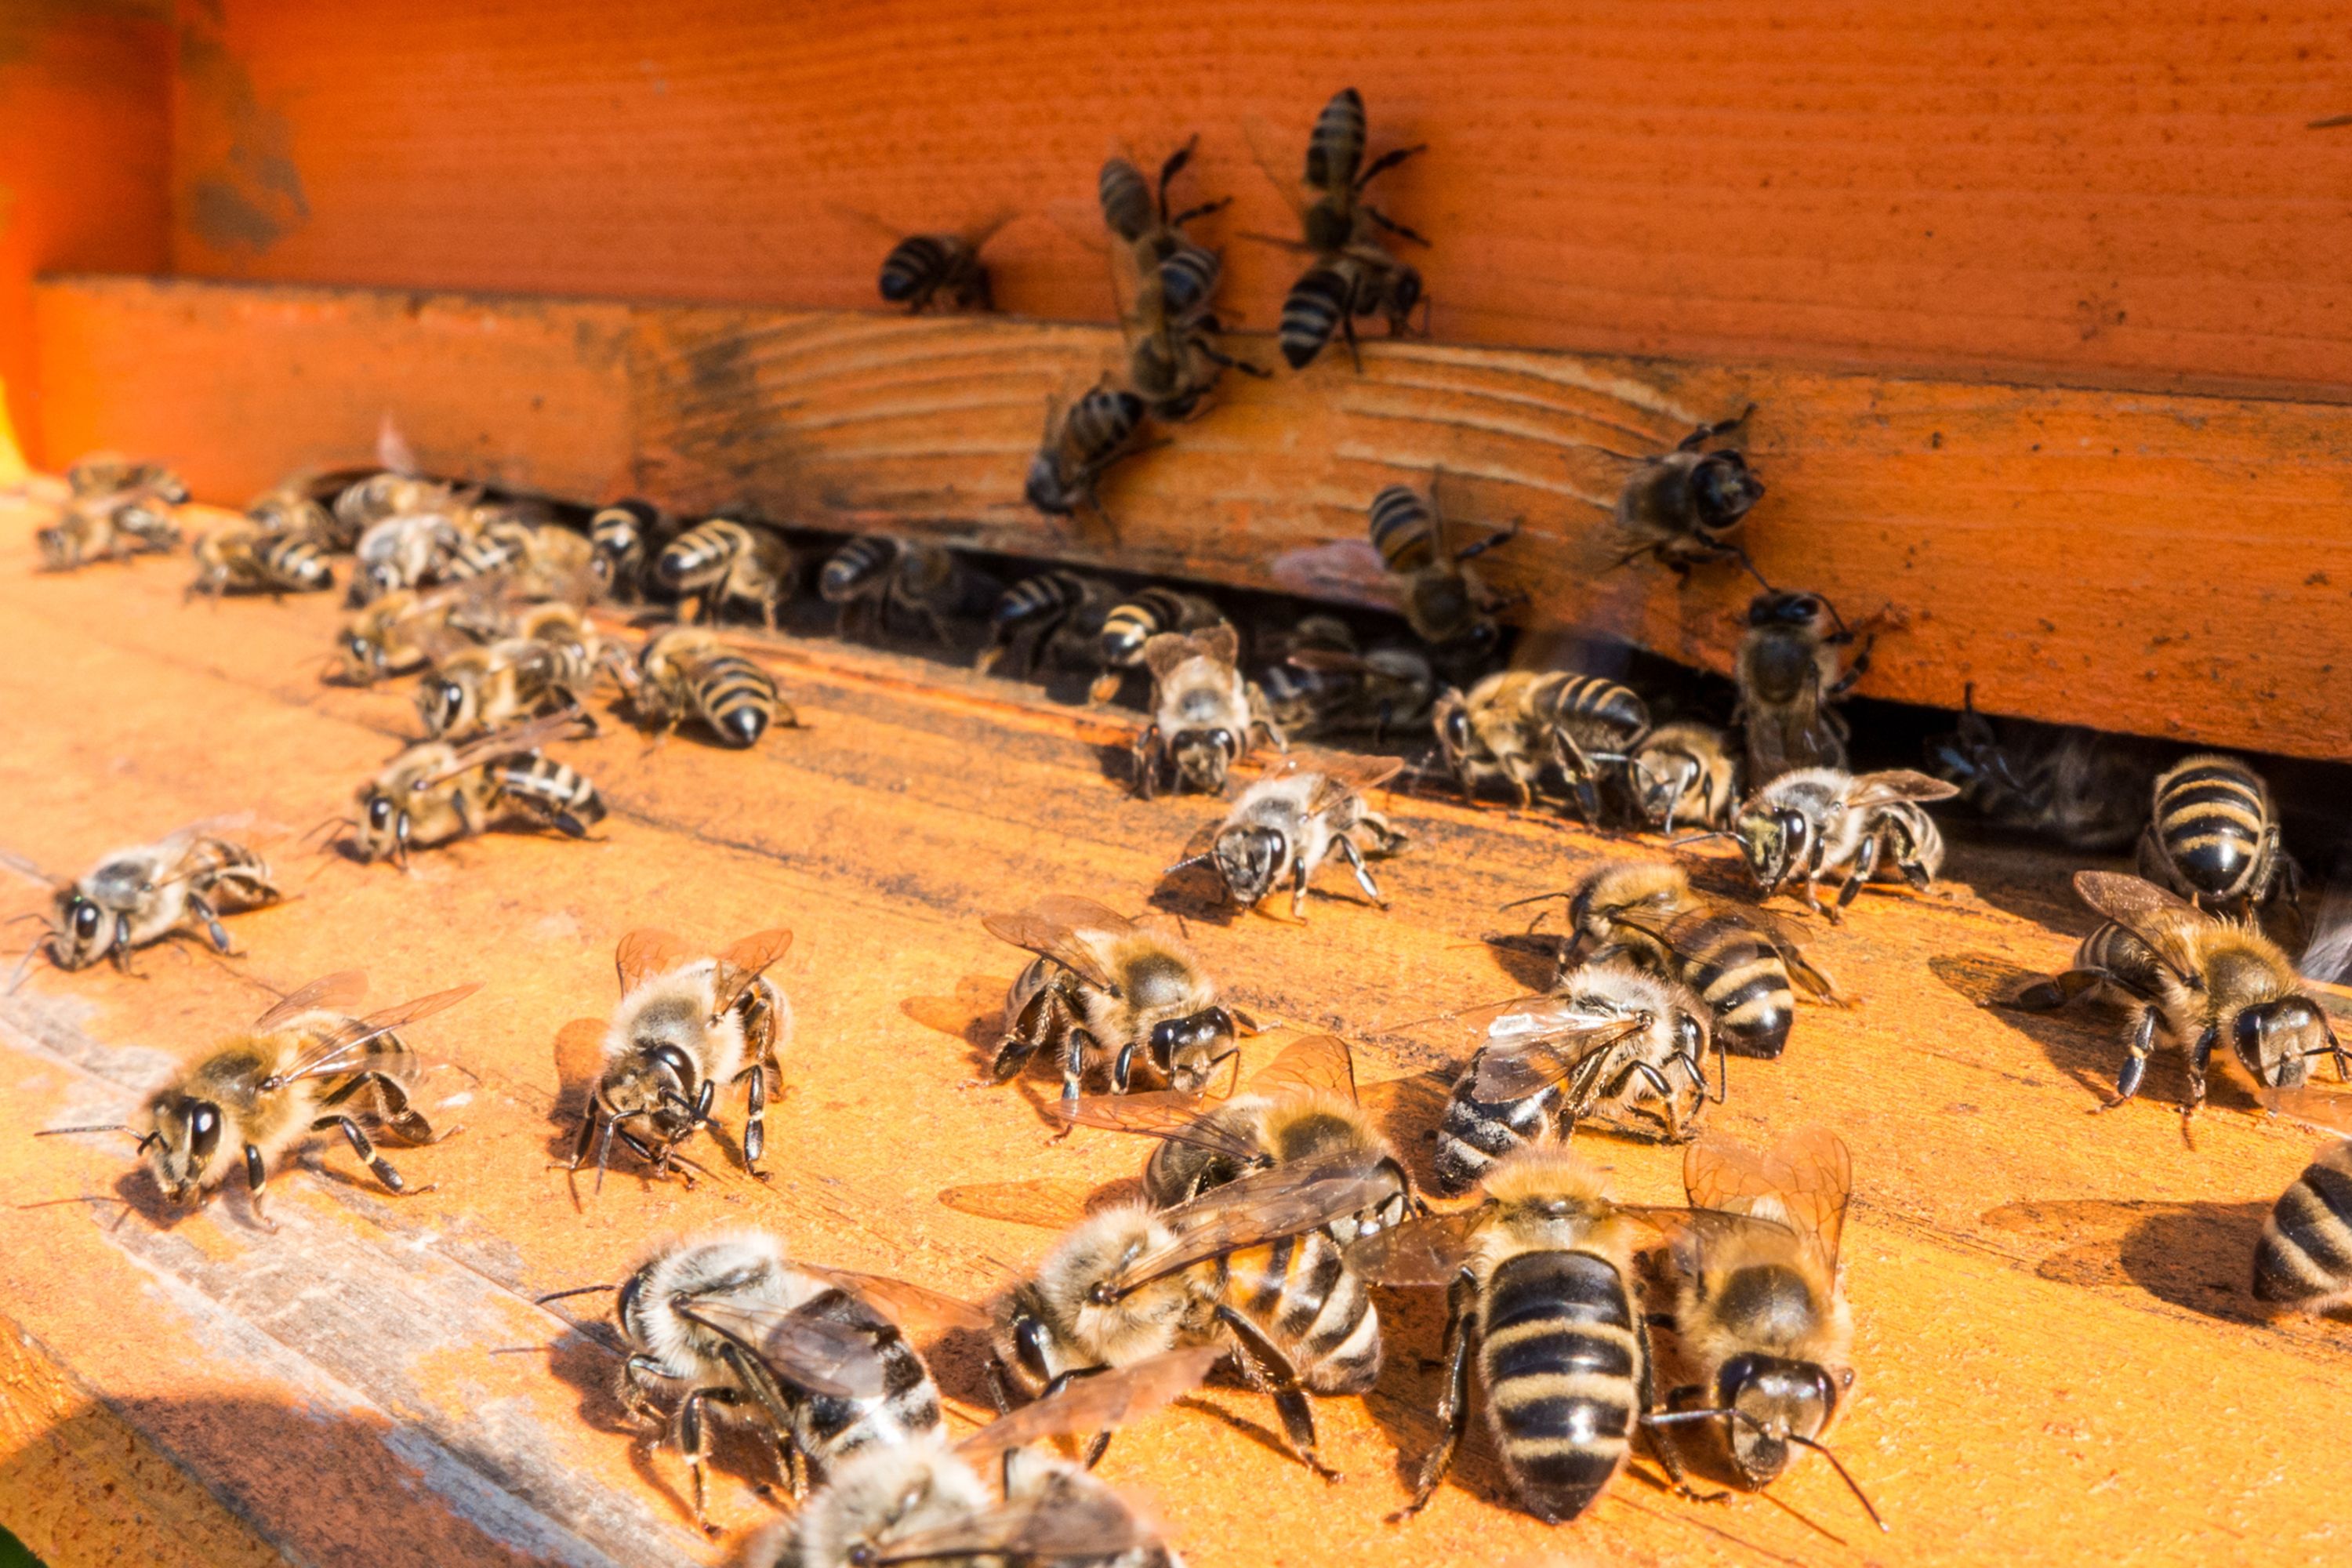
(551, 788)
(702, 555)
(1047, 597)
(832, 1428)
(1561, 1363)
(737, 699)
(2211, 816)
(1102, 422)
(1312, 311)
(1474, 1133)
(1599, 713)
(1136, 622)
(1310, 1300)
(1187, 278)
(1126, 199)
(2306, 1245)
(916, 268)
(296, 563)
(1402, 529)
(859, 567)
(1336, 146)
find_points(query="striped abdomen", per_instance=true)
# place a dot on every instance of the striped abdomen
(1597, 714)
(858, 569)
(1403, 532)
(1134, 622)
(1126, 206)
(1188, 280)
(1334, 148)
(735, 697)
(1910, 835)
(1312, 1305)
(1474, 1132)
(1741, 976)
(829, 1428)
(2213, 824)
(1100, 425)
(494, 548)
(619, 532)
(1323, 297)
(2307, 1247)
(1561, 1363)
(549, 789)
(921, 264)
(220, 870)
(1041, 601)
(295, 563)
(700, 556)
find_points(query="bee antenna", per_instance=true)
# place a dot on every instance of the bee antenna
(1697, 838)
(25, 964)
(27, 915)
(1851, 1484)
(1204, 858)
(1534, 899)
(575, 1290)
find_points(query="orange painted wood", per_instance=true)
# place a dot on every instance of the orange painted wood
(2053, 1327)
(85, 109)
(2097, 191)
(2138, 562)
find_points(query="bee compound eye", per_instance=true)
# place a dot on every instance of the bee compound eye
(85, 918)
(379, 813)
(204, 1130)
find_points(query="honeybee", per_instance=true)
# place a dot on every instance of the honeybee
(148, 892)
(1760, 1307)
(543, 560)
(721, 561)
(404, 550)
(1445, 604)
(1539, 1299)
(875, 574)
(372, 498)
(1682, 506)
(926, 1502)
(1304, 808)
(474, 689)
(433, 792)
(1137, 213)
(298, 505)
(1818, 822)
(2213, 837)
(2304, 1258)
(1057, 614)
(1246, 1267)
(686, 673)
(924, 269)
(1133, 622)
(624, 537)
(1684, 772)
(96, 475)
(401, 632)
(722, 1325)
(1204, 715)
(1610, 1040)
(303, 1066)
(1329, 689)
(1352, 275)
(2086, 790)
(1788, 672)
(242, 558)
(1104, 990)
(2191, 981)
(1734, 960)
(684, 1026)
(1515, 722)
(105, 528)
(1100, 430)
(1173, 362)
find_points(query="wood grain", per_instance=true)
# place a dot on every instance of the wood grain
(2053, 1321)
(2094, 191)
(2159, 564)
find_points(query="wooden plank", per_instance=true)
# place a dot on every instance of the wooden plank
(2094, 191)
(291, 1393)
(2143, 562)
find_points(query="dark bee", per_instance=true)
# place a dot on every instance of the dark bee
(2213, 837)
(1352, 275)
(1788, 673)
(1139, 215)
(1330, 294)
(1682, 506)
(875, 574)
(1057, 615)
(1098, 430)
(1444, 604)
(925, 270)
(2086, 790)
(723, 560)
(625, 535)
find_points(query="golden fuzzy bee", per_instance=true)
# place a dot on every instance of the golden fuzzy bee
(151, 891)
(1760, 1304)
(478, 689)
(1684, 773)
(405, 550)
(1306, 808)
(686, 674)
(401, 632)
(2196, 982)
(303, 1066)
(1682, 506)
(101, 474)
(1790, 671)
(1103, 991)
(2304, 1258)
(684, 1028)
(1132, 625)
(1204, 715)
(1444, 603)
(113, 527)
(435, 791)
(1818, 822)
(243, 558)
(1515, 722)
(722, 561)
(1081, 443)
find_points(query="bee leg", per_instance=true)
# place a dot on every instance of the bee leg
(1453, 1397)
(256, 1174)
(1661, 1441)
(1298, 887)
(369, 1156)
(1000, 1392)
(2200, 1057)
(1348, 330)
(1363, 876)
(1074, 1043)
(693, 1444)
(1261, 1356)
(2142, 1046)
(213, 928)
(1146, 761)
(755, 1133)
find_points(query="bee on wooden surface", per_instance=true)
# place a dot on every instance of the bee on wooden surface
(300, 505)
(372, 498)
(687, 673)
(149, 892)
(1332, 293)
(945, 269)
(923, 1501)
(403, 631)
(303, 1066)
(1317, 682)
(684, 1026)
(1539, 1300)
(1106, 992)
(1246, 1267)
(876, 574)
(105, 528)
(1684, 772)
(1133, 622)
(243, 559)
(1352, 274)
(2193, 982)
(723, 1327)
(1611, 1041)
(624, 536)
(1821, 822)
(404, 550)
(480, 689)
(1789, 672)
(1682, 506)
(2213, 837)
(1759, 1304)
(2304, 1258)
(722, 562)
(102, 474)
(1736, 961)
(1080, 446)
(543, 559)
(1173, 361)
(1056, 616)
(2086, 790)
(1515, 722)
(1137, 213)
(436, 791)
(1446, 604)
(1305, 809)
(1204, 714)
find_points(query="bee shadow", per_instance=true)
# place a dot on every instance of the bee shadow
(1406, 1110)
(1197, 893)
(2196, 1256)
(974, 1015)
(2080, 1041)
(1531, 958)
(1404, 1403)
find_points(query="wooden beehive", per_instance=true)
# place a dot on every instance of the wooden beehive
(2041, 315)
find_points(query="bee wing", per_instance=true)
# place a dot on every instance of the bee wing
(1065, 1522)
(2139, 907)
(175, 846)
(508, 742)
(1058, 928)
(1806, 1182)
(337, 993)
(579, 1054)
(915, 1308)
(2328, 1111)
(744, 963)
(1051, 1202)
(1427, 1250)
(1158, 1113)
(1348, 567)
(342, 1048)
(645, 952)
(1319, 1064)
(1515, 1065)
(1898, 784)
(1266, 1205)
(820, 1354)
(2327, 955)
(1096, 1404)
(1482, 1015)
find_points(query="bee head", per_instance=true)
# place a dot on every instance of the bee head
(1189, 1050)
(180, 1150)
(1776, 843)
(1249, 859)
(441, 702)
(1451, 720)
(1775, 1398)
(654, 1083)
(1201, 757)
(56, 546)
(1779, 608)
(382, 828)
(2277, 1040)
(1404, 292)
(1660, 778)
(1441, 606)
(1724, 488)
(81, 934)
(362, 659)
(1048, 488)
